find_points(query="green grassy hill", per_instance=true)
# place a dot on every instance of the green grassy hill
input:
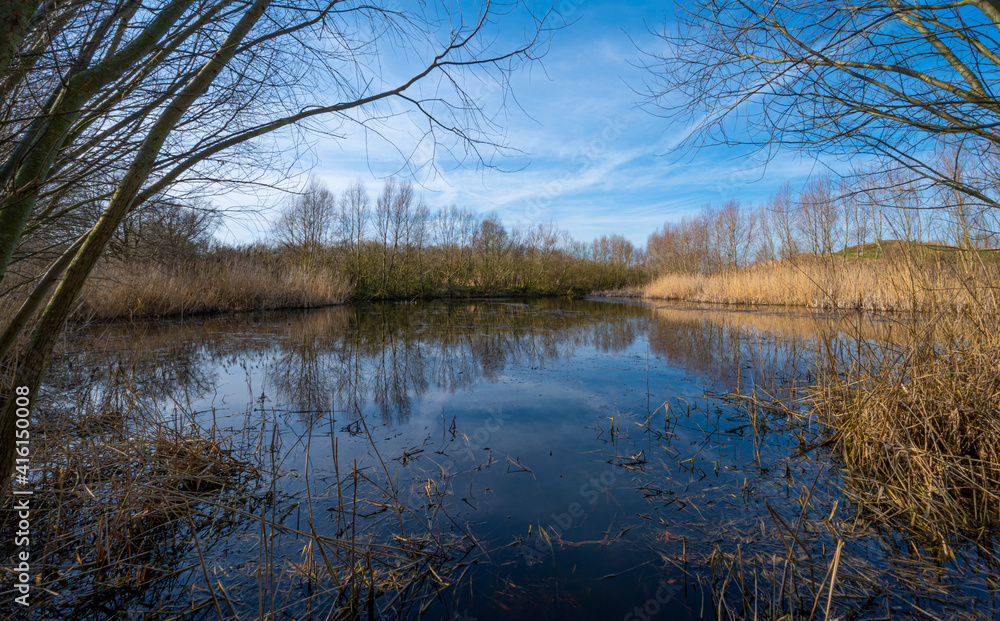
(930, 252)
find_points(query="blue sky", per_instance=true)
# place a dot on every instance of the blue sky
(593, 162)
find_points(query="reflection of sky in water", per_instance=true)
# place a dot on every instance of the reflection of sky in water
(515, 400)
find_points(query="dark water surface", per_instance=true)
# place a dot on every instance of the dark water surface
(579, 462)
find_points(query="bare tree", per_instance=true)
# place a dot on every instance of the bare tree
(819, 216)
(781, 207)
(680, 247)
(493, 248)
(855, 223)
(453, 229)
(308, 221)
(616, 253)
(152, 96)
(968, 220)
(737, 231)
(874, 199)
(448, 226)
(355, 211)
(906, 219)
(883, 78)
(766, 248)
(391, 210)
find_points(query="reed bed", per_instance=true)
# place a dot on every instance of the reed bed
(910, 428)
(903, 410)
(914, 427)
(819, 568)
(911, 416)
(813, 556)
(911, 409)
(917, 426)
(139, 515)
(130, 289)
(900, 284)
(118, 496)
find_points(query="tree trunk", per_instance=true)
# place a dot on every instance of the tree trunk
(35, 361)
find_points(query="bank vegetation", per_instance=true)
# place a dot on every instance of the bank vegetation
(850, 243)
(327, 248)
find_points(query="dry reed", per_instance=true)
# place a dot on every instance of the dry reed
(130, 511)
(816, 557)
(913, 412)
(124, 290)
(910, 412)
(918, 428)
(117, 491)
(837, 283)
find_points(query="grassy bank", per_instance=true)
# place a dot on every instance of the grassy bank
(901, 284)
(240, 282)
(909, 412)
(231, 280)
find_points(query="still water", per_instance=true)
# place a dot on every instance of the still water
(558, 459)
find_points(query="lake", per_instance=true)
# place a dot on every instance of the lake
(500, 459)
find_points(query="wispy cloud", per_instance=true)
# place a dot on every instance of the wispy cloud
(592, 162)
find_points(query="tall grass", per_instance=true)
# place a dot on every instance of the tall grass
(238, 282)
(838, 283)
(915, 417)
(910, 415)
(917, 426)
(260, 278)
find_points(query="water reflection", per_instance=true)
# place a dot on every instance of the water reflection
(534, 409)
(346, 358)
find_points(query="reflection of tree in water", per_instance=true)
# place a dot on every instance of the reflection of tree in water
(378, 356)
(302, 375)
(393, 354)
(695, 342)
(386, 356)
(179, 373)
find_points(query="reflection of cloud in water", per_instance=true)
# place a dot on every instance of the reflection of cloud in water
(381, 356)
(535, 382)
(384, 357)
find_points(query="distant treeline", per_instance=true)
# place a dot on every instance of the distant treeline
(888, 242)
(827, 217)
(395, 246)
(324, 248)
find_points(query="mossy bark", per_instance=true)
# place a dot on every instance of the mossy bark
(33, 364)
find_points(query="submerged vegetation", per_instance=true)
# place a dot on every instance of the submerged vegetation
(718, 506)
(131, 506)
(903, 428)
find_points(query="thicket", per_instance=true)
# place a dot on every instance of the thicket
(324, 249)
